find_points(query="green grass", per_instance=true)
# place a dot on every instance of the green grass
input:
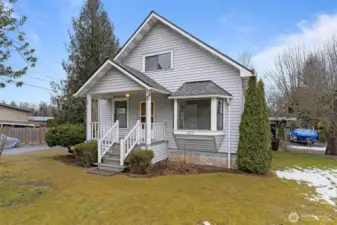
(282, 160)
(51, 192)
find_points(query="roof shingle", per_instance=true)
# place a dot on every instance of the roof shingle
(197, 88)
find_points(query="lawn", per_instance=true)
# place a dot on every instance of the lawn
(37, 189)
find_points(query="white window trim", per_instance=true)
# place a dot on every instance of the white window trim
(127, 112)
(199, 132)
(158, 53)
(140, 110)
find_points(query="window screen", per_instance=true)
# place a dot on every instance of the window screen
(158, 62)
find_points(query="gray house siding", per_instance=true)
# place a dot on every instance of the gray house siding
(115, 81)
(160, 151)
(191, 63)
(104, 111)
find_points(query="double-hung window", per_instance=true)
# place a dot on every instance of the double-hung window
(158, 62)
(143, 112)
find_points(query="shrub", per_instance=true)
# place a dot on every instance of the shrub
(254, 150)
(86, 153)
(65, 135)
(140, 161)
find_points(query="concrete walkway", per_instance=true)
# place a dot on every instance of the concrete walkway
(25, 149)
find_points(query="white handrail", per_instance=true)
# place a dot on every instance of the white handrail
(158, 132)
(129, 142)
(107, 141)
(98, 130)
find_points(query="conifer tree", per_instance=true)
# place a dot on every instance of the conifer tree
(91, 41)
(254, 151)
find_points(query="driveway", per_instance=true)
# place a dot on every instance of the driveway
(26, 148)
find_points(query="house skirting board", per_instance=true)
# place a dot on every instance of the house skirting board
(203, 158)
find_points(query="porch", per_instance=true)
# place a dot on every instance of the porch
(126, 121)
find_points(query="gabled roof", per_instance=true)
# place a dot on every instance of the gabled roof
(205, 88)
(14, 107)
(132, 73)
(152, 18)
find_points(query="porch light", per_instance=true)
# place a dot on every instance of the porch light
(127, 95)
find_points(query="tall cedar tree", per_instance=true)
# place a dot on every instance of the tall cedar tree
(92, 40)
(266, 152)
(254, 153)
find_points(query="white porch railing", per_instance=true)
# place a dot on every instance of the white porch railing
(105, 143)
(98, 130)
(129, 142)
(157, 132)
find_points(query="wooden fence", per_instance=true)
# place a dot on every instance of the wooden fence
(26, 135)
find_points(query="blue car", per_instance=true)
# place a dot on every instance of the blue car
(304, 136)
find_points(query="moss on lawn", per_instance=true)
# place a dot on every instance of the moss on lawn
(75, 197)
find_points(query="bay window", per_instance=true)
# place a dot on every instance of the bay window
(194, 114)
(219, 114)
(200, 114)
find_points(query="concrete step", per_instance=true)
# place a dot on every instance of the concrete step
(112, 154)
(110, 167)
(111, 160)
(96, 170)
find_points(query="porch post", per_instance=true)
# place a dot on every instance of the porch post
(213, 114)
(148, 117)
(88, 117)
(229, 134)
(175, 114)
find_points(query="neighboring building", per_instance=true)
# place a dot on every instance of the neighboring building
(169, 92)
(14, 116)
(39, 121)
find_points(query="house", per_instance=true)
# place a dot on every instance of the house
(39, 121)
(14, 116)
(167, 91)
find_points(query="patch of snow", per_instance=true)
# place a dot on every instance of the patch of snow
(319, 149)
(324, 181)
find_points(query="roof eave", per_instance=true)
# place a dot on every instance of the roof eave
(84, 89)
(200, 96)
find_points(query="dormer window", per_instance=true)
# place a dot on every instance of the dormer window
(159, 61)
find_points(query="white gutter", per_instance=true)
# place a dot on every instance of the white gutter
(200, 96)
(229, 135)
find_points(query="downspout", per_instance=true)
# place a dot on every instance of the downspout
(229, 134)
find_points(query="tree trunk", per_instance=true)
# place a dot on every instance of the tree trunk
(331, 149)
(69, 149)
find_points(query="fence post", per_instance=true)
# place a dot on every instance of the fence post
(40, 135)
(26, 136)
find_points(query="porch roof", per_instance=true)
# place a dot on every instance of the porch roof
(141, 76)
(205, 88)
(130, 72)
